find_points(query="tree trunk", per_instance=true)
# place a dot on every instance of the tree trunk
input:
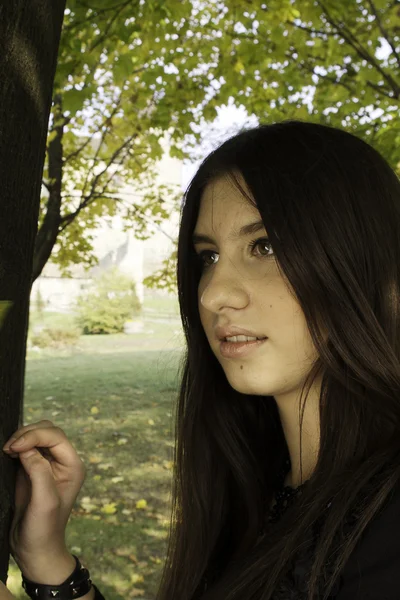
(29, 40)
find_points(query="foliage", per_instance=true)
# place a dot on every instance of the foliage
(109, 304)
(130, 72)
(55, 338)
(165, 277)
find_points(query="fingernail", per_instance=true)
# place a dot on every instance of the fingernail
(8, 443)
(18, 443)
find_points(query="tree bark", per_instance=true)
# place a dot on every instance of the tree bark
(29, 40)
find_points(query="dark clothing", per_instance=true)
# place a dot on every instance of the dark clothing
(373, 570)
(371, 573)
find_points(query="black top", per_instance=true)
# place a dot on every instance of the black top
(373, 570)
(371, 573)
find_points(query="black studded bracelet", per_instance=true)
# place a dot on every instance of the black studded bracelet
(77, 585)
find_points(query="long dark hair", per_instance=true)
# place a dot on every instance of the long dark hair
(331, 206)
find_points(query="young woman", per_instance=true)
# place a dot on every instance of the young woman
(287, 466)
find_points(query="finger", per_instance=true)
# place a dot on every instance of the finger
(39, 424)
(22, 430)
(54, 440)
(44, 496)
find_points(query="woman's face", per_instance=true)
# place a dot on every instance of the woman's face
(243, 287)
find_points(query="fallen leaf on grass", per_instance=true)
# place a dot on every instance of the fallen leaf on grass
(109, 509)
(87, 505)
(126, 552)
(117, 479)
(141, 504)
(94, 460)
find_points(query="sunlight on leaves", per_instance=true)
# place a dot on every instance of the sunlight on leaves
(109, 509)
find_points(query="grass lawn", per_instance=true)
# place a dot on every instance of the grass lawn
(114, 397)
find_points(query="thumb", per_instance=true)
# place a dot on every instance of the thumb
(44, 495)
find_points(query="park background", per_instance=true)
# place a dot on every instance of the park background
(113, 393)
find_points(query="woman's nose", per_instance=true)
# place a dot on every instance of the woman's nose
(223, 290)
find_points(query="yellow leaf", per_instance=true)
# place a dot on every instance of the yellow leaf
(135, 578)
(105, 467)
(117, 479)
(87, 505)
(109, 509)
(141, 504)
(94, 459)
(239, 66)
(150, 422)
(94, 410)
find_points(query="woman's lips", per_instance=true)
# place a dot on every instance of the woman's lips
(236, 349)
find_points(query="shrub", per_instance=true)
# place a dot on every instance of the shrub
(55, 338)
(108, 304)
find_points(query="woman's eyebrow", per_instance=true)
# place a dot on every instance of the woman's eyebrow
(248, 229)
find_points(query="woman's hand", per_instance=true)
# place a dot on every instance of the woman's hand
(48, 482)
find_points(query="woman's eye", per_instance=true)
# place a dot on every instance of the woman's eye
(261, 242)
(253, 244)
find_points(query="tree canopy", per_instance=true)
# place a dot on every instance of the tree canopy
(131, 71)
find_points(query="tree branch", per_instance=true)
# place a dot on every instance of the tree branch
(89, 19)
(384, 32)
(109, 24)
(66, 219)
(306, 66)
(47, 234)
(362, 52)
(107, 121)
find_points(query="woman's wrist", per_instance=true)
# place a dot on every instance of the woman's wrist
(50, 571)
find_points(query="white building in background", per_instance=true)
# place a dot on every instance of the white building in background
(113, 246)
